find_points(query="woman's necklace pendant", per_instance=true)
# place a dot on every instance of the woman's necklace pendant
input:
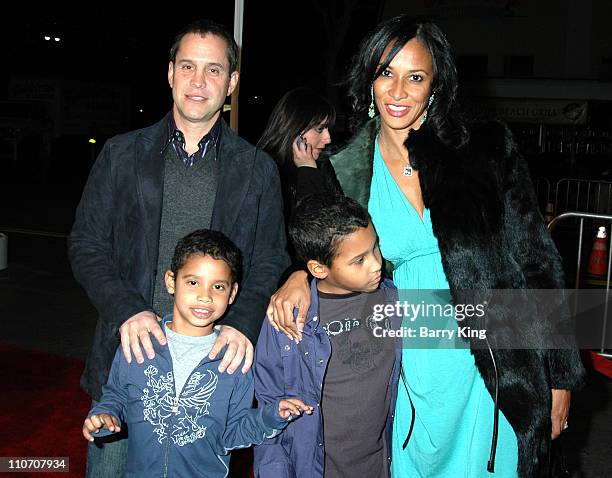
(407, 170)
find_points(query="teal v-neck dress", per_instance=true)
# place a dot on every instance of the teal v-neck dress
(453, 409)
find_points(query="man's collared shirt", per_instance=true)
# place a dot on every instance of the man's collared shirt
(177, 139)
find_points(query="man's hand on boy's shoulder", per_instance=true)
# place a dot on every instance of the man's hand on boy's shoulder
(94, 423)
(239, 348)
(135, 331)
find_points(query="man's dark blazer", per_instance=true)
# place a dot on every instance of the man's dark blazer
(113, 246)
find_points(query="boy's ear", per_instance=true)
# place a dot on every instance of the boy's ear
(169, 280)
(233, 292)
(318, 270)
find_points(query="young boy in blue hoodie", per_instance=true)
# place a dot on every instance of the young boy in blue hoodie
(184, 416)
(343, 364)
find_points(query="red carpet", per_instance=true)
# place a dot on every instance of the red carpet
(42, 408)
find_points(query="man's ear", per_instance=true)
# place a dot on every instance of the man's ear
(233, 293)
(169, 280)
(318, 270)
(171, 74)
(233, 82)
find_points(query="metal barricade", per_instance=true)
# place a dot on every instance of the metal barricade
(583, 195)
(581, 216)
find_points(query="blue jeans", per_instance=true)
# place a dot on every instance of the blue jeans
(107, 456)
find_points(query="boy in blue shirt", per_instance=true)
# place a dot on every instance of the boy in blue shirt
(184, 416)
(342, 365)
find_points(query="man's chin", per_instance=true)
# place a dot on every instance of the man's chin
(197, 116)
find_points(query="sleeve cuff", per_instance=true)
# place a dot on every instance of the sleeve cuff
(271, 417)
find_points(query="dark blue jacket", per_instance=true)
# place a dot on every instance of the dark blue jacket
(286, 369)
(114, 242)
(190, 435)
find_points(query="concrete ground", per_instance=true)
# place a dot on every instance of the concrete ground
(44, 309)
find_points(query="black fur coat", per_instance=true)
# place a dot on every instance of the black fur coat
(491, 236)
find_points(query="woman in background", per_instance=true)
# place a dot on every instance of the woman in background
(296, 134)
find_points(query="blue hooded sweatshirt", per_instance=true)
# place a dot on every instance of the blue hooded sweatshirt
(190, 435)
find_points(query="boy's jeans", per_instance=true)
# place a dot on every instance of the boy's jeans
(107, 457)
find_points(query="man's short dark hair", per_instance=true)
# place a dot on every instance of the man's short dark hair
(319, 224)
(207, 243)
(208, 27)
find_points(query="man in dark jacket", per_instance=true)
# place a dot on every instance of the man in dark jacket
(152, 186)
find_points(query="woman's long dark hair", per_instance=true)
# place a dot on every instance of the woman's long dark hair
(442, 115)
(295, 113)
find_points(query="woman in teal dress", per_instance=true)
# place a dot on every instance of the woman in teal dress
(454, 209)
(453, 419)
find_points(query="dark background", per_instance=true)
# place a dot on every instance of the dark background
(111, 63)
(107, 75)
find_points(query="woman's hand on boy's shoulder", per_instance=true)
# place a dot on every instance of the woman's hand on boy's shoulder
(295, 292)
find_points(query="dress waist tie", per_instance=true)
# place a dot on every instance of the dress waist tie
(424, 251)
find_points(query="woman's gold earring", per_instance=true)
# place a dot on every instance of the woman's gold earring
(371, 110)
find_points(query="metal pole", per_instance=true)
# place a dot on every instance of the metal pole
(238, 27)
(598, 196)
(605, 324)
(579, 253)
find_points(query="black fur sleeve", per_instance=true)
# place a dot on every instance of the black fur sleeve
(534, 250)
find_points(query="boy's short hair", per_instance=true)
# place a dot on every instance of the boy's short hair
(208, 243)
(320, 222)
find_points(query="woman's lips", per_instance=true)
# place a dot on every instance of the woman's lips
(397, 111)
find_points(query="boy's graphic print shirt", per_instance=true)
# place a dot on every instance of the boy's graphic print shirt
(356, 395)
